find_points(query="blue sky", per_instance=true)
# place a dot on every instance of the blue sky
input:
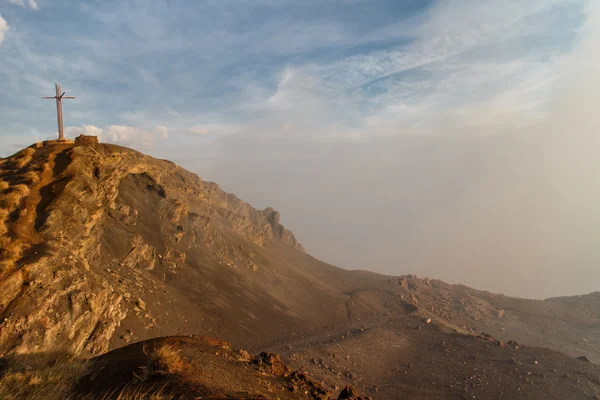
(210, 68)
(449, 138)
(206, 65)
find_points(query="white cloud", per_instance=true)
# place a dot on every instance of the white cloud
(124, 135)
(89, 130)
(211, 126)
(3, 28)
(199, 130)
(162, 132)
(491, 35)
(455, 73)
(33, 4)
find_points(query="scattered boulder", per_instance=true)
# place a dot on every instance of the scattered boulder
(243, 356)
(403, 283)
(45, 321)
(141, 305)
(127, 336)
(349, 393)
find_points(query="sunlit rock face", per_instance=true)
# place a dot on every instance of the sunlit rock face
(89, 232)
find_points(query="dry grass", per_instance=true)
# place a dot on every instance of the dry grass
(12, 198)
(23, 157)
(3, 215)
(11, 249)
(38, 376)
(138, 393)
(51, 377)
(4, 185)
(165, 360)
(32, 177)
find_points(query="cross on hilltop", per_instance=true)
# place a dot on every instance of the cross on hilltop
(59, 96)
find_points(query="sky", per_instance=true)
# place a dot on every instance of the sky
(453, 139)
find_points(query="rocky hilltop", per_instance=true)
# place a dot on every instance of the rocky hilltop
(93, 234)
(103, 249)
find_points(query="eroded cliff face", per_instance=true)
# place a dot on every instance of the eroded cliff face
(90, 234)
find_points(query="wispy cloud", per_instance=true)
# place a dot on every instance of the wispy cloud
(3, 28)
(33, 4)
(17, 2)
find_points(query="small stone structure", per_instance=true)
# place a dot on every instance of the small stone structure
(86, 140)
(81, 140)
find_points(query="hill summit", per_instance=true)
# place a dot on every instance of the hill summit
(93, 234)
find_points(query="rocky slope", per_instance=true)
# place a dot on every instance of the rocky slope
(97, 237)
(101, 246)
(568, 324)
(395, 345)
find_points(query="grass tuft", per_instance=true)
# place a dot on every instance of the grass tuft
(138, 394)
(23, 157)
(53, 377)
(129, 393)
(39, 376)
(32, 177)
(165, 360)
(3, 215)
(12, 198)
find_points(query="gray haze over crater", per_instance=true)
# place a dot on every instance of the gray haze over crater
(512, 206)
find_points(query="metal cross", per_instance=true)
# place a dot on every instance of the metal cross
(59, 96)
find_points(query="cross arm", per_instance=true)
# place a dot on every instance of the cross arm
(68, 97)
(49, 97)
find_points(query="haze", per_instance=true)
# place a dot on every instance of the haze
(450, 139)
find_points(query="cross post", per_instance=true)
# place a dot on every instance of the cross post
(59, 96)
